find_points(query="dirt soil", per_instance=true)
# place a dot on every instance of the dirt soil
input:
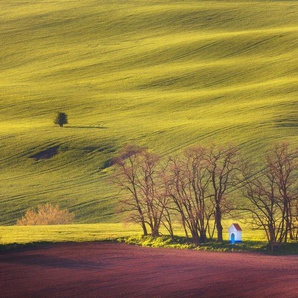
(120, 270)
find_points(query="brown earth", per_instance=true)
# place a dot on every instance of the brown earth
(119, 270)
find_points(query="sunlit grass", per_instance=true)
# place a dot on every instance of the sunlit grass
(253, 241)
(97, 232)
(65, 233)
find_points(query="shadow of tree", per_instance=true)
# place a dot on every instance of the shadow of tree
(86, 127)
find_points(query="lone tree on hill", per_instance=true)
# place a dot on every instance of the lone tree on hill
(61, 119)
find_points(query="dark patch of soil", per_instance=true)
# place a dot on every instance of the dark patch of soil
(46, 154)
(120, 270)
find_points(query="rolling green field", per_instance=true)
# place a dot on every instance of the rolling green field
(163, 74)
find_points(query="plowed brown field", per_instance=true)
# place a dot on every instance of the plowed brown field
(119, 270)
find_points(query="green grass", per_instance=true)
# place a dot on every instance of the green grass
(14, 237)
(162, 74)
(251, 246)
(95, 232)
(65, 233)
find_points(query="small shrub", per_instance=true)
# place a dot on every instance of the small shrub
(46, 214)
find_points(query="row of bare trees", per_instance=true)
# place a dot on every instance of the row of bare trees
(272, 194)
(200, 186)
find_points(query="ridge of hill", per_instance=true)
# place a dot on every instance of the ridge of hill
(162, 74)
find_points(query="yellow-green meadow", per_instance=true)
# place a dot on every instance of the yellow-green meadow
(162, 74)
(95, 232)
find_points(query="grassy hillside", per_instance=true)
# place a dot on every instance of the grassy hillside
(164, 74)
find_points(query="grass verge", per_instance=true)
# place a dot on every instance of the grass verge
(23, 237)
(183, 243)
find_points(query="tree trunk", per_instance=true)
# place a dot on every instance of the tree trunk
(145, 232)
(272, 238)
(167, 223)
(155, 231)
(202, 231)
(203, 236)
(218, 224)
(195, 237)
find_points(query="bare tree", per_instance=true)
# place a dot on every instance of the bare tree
(187, 184)
(137, 174)
(126, 177)
(178, 191)
(295, 222)
(264, 205)
(150, 189)
(282, 163)
(222, 165)
(199, 180)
